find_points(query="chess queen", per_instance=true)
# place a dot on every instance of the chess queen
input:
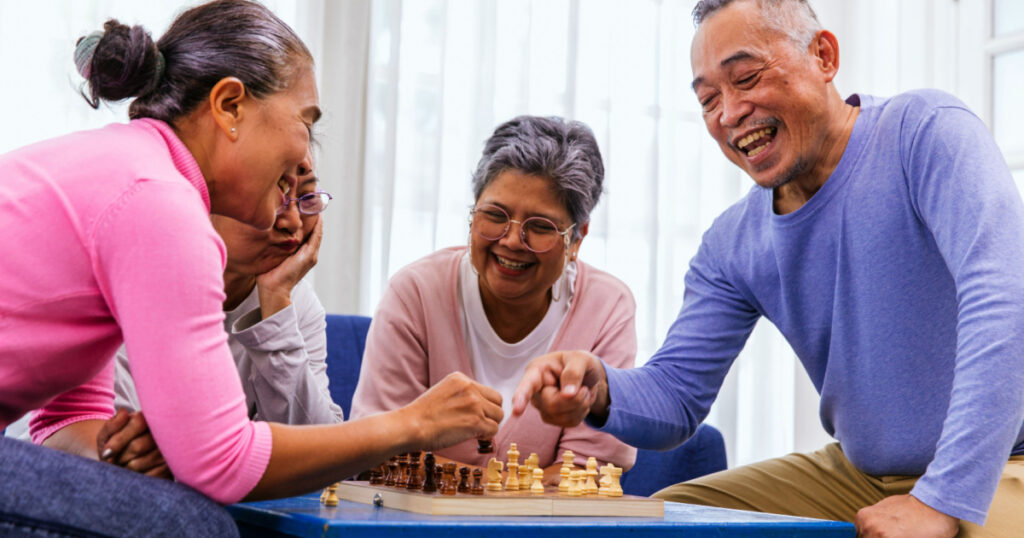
(518, 290)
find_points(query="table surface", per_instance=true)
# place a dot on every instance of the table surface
(305, 516)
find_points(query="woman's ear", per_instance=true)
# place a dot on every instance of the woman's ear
(228, 99)
(576, 244)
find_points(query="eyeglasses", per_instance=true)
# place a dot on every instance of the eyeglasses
(537, 233)
(309, 204)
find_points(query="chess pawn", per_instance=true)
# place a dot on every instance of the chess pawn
(563, 486)
(478, 488)
(494, 474)
(524, 477)
(332, 495)
(576, 483)
(484, 446)
(403, 471)
(532, 461)
(590, 487)
(567, 458)
(429, 484)
(463, 480)
(512, 483)
(513, 454)
(538, 482)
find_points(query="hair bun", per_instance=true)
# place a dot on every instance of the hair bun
(118, 63)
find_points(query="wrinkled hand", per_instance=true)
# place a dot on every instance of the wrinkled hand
(904, 515)
(452, 411)
(565, 386)
(275, 286)
(125, 441)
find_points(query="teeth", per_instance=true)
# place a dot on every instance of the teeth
(511, 264)
(756, 150)
(746, 140)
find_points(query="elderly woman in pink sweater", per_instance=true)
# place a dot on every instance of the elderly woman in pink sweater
(107, 238)
(517, 291)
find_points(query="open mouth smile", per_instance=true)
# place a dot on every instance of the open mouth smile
(512, 265)
(756, 142)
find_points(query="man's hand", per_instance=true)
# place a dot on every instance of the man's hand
(565, 386)
(275, 286)
(454, 410)
(125, 441)
(904, 515)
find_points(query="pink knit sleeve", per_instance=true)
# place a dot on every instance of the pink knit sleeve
(91, 401)
(394, 369)
(159, 265)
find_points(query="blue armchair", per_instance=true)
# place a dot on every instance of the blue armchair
(701, 454)
(346, 338)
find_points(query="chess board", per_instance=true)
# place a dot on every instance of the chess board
(501, 503)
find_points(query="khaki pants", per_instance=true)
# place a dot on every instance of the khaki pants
(825, 485)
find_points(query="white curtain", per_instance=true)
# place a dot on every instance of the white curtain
(410, 90)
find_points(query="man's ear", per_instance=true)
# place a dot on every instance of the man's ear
(825, 48)
(227, 102)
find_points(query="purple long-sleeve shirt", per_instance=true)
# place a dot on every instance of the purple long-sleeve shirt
(900, 285)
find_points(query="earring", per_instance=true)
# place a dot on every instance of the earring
(232, 130)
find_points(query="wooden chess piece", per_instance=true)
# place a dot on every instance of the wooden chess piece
(513, 454)
(563, 486)
(494, 474)
(537, 488)
(448, 484)
(415, 477)
(463, 480)
(403, 471)
(610, 486)
(567, 458)
(439, 476)
(478, 488)
(576, 483)
(332, 495)
(524, 477)
(430, 484)
(590, 487)
(484, 446)
(392, 471)
(377, 475)
(532, 461)
(512, 482)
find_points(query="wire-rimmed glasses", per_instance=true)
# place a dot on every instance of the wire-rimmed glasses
(537, 233)
(311, 203)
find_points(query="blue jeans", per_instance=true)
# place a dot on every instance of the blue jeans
(44, 492)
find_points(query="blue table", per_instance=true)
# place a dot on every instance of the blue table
(305, 516)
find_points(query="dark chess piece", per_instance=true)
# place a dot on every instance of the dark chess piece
(448, 484)
(463, 480)
(392, 472)
(478, 488)
(484, 446)
(438, 476)
(377, 475)
(415, 477)
(430, 485)
(403, 469)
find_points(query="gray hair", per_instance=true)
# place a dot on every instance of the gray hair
(170, 78)
(565, 152)
(793, 18)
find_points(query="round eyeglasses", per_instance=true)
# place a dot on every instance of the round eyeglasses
(309, 204)
(537, 233)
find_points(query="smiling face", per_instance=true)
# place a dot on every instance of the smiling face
(510, 274)
(252, 251)
(272, 140)
(765, 100)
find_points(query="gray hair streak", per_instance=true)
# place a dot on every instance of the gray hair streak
(793, 18)
(560, 150)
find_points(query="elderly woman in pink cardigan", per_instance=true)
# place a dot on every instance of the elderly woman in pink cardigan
(517, 291)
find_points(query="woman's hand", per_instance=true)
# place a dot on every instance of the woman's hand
(125, 441)
(275, 286)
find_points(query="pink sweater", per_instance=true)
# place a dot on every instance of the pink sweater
(107, 237)
(416, 339)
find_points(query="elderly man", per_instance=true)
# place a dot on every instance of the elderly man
(885, 240)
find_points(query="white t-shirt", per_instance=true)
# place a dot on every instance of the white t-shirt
(496, 363)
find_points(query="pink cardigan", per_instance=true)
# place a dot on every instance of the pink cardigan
(107, 237)
(416, 339)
